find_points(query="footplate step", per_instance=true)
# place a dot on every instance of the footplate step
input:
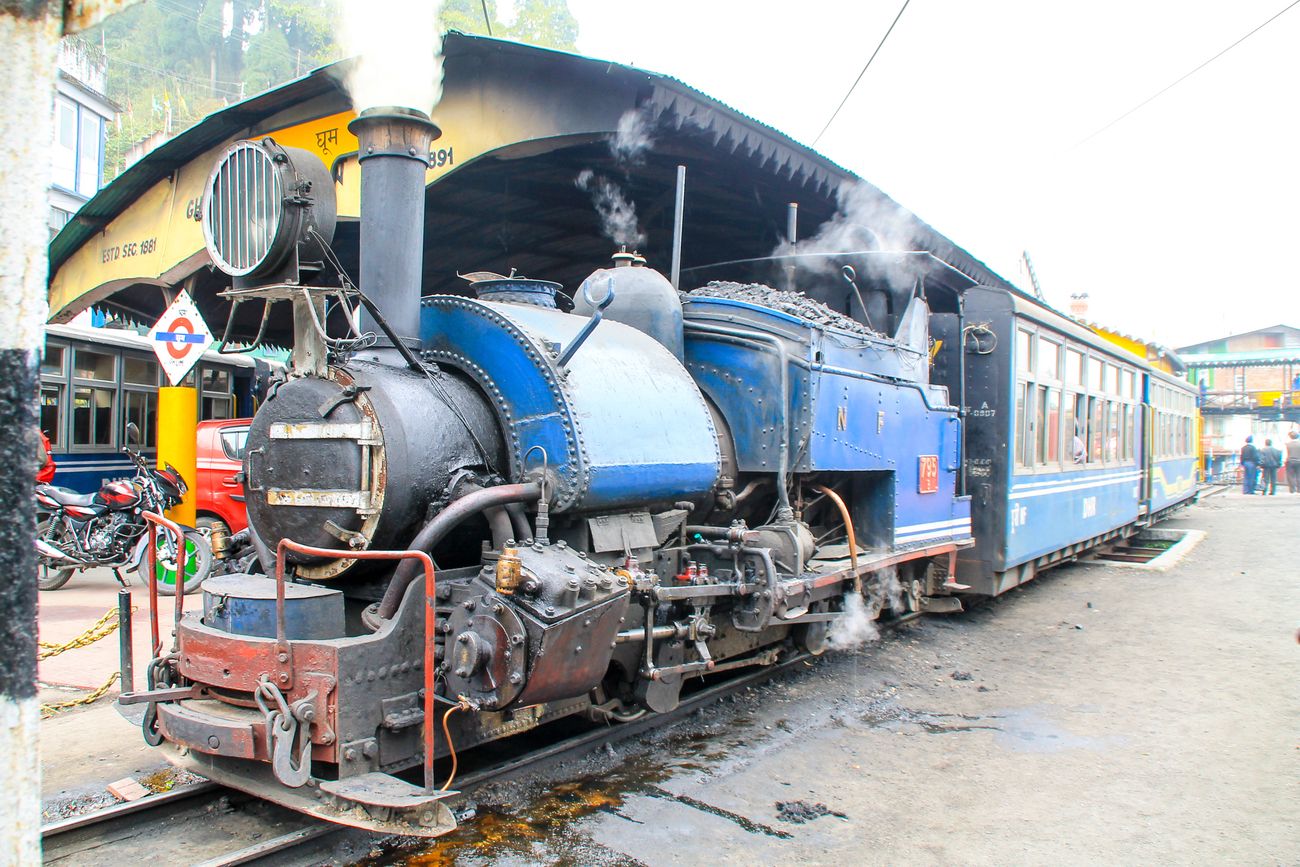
(393, 799)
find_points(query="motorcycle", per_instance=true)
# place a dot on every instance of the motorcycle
(106, 529)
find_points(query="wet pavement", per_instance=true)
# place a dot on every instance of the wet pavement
(1098, 715)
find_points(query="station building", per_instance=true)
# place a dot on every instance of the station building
(520, 125)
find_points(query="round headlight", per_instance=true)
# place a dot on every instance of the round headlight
(261, 202)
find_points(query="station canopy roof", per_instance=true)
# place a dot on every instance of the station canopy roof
(1273, 357)
(519, 126)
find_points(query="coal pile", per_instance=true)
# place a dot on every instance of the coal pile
(793, 303)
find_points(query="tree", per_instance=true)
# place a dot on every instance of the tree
(547, 23)
(173, 62)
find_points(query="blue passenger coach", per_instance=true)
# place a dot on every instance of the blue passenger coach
(96, 380)
(1070, 440)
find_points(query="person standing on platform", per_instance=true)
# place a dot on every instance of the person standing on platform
(45, 475)
(1293, 462)
(1249, 466)
(1270, 458)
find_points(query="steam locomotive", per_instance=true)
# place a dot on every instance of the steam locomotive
(476, 515)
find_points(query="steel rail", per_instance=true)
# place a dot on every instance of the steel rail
(574, 746)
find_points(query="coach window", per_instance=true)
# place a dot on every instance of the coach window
(94, 392)
(217, 396)
(54, 389)
(1024, 420)
(140, 397)
(1112, 430)
(1024, 352)
(1049, 425)
(1069, 429)
(1096, 427)
(1049, 401)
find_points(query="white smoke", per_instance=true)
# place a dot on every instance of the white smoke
(628, 146)
(865, 219)
(399, 53)
(617, 215)
(854, 627)
(631, 139)
(885, 586)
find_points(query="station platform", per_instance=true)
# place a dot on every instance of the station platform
(84, 748)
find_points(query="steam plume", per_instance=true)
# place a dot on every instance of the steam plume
(628, 147)
(631, 139)
(399, 53)
(617, 215)
(853, 628)
(864, 219)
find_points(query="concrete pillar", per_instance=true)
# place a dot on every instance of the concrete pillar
(29, 34)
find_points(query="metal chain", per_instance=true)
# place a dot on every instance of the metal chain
(102, 628)
(49, 710)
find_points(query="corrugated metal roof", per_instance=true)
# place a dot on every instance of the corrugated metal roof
(671, 99)
(1253, 358)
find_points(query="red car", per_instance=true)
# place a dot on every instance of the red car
(219, 488)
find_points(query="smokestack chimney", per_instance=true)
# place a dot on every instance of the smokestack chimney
(1078, 304)
(393, 151)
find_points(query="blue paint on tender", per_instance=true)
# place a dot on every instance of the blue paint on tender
(855, 406)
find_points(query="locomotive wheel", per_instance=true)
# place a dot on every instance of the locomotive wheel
(197, 563)
(50, 577)
(814, 637)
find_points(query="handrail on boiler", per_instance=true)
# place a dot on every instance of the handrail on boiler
(430, 620)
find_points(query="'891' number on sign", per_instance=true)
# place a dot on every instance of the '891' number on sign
(441, 157)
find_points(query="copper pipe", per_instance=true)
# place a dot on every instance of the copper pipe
(848, 526)
(443, 523)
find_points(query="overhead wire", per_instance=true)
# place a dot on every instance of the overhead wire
(1186, 75)
(836, 113)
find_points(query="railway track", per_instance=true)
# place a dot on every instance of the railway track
(199, 817)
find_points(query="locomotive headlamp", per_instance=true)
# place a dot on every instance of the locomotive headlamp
(267, 210)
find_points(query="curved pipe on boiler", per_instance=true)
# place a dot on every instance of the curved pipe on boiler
(519, 520)
(443, 523)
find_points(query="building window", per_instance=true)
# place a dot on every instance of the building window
(88, 153)
(65, 143)
(78, 147)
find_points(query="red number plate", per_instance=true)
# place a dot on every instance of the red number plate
(928, 475)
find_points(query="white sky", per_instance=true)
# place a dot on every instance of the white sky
(1179, 221)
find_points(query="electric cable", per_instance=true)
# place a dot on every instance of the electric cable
(1187, 75)
(864, 72)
